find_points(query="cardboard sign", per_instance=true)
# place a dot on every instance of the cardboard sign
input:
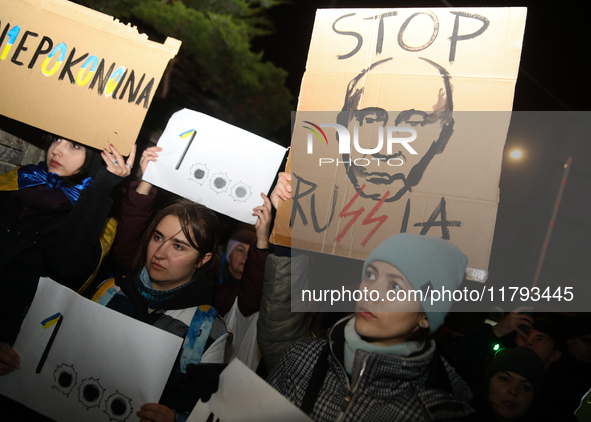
(215, 164)
(401, 124)
(244, 397)
(76, 72)
(81, 361)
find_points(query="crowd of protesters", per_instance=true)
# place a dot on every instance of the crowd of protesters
(170, 266)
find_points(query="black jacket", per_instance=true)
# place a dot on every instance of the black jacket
(62, 243)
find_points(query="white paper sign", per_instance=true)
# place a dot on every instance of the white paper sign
(244, 397)
(215, 164)
(86, 362)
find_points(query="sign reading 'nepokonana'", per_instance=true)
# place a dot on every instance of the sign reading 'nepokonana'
(76, 72)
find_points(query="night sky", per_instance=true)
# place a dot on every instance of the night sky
(551, 69)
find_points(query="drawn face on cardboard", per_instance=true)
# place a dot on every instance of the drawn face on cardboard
(387, 322)
(427, 108)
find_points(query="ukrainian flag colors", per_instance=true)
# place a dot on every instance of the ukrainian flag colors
(89, 65)
(48, 322)
(114, 81)
(61, 48)
(187, 133)
(12, 34)
(67, 63)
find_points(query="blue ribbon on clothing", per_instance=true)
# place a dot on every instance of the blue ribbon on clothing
(196, 337)
(33, 175)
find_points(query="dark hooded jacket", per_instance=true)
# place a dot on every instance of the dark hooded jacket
(43, 235)
(175, 316)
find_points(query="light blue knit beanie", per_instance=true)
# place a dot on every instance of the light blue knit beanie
(427, 262)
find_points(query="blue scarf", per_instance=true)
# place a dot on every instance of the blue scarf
(32, 175)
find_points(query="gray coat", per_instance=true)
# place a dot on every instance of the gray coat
(278, 327)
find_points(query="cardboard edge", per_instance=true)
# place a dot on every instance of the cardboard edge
(102, 21)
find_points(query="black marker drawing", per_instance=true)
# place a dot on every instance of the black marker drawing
(211, 417)
(47, 323)
(404, 225)
(453, 39)
(435, 20)
(199, 173)
(118, 407)
(297, 208)
(378, 174)
(90, 393)
(64, 379)
(440, 209)
(380, 37)
(191, 133)
(219, 182)
(349, 33)
(240, 192)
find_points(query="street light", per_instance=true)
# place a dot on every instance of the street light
(515, 154)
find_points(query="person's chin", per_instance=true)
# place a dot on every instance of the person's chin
(56, 170)
(364, 320)
(376, 182)
(155, 275)
(376, 191)
(365, 327)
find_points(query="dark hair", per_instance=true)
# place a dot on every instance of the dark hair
(552, 330)
(199, 224)
(578, 326)
(84, 170)
(422, 335)
(521, 360)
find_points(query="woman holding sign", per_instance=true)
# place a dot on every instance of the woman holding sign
(168, 286)
(379, 363)
(54, 222)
